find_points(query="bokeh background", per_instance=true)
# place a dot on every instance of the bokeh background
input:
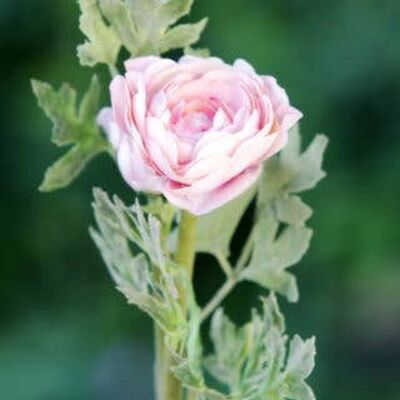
(65, 333)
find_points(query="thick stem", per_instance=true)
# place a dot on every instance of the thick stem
(167, 386)
(185, 253)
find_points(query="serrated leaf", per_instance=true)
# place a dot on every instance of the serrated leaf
(148, 280)
(143, 27)
(279, 281)
(118, 15)
(299, 391)
(229, 350)
(60, 107)
(154, 16)
(289, 248)
(301, 356)
(291, 210)
(305, 168)
(300, 363)
(154, 19)
(70, 126)
(271, 255)
(260, 371)
(215, 230)
(89, 106)
(182, 36)
(103, 44)
(67, 168)
(145, 13)
(280, 237)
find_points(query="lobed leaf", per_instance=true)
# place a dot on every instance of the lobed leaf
(148, 280)
(280, 236)
(300, 361)
(164, 13)
(65, 170)
(182, 36)
(60, 108)
(143, 27)
(102, 44)
(229, 350)
(71, 126)
(292, 210)
(271, 255)
(305, 168)
(254, 362)
(119, 17)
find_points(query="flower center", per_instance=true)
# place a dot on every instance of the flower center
(192, 117)
(192, 123)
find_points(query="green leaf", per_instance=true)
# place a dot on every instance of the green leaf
(300, 363)
(60, 108)
(164, 13)
(305, 168)
(289, 248)
(182, 36)
(102, 44)
(291, 210)
(118, 15)
(215, 230)
(143, 27)
(299, 391)
(229, 350)
(280, 236)
(68, 167)
(71, 126)
(301, 356)
(154, 19)
(253, 361)
(190, 51)
(272, 255)
(148, 280)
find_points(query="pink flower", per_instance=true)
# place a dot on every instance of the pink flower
(196, 130)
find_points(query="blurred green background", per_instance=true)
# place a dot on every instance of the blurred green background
(65, 333)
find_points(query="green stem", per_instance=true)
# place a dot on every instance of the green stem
(225, 264)
(167, 386)
(246, 253)
(185, 253)
(233, 277)
(219, 297)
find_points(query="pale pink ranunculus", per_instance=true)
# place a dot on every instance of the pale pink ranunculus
(196, 130)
